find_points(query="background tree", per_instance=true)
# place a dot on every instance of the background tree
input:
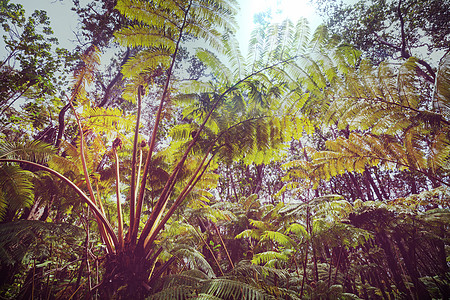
(391, 29)
(29, 73)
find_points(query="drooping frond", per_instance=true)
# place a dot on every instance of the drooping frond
(247, 269)
(228, 289)
(319, 38)
(194, 257)
(364, 150)
(162, 24)
(35, 151)
(233, 52)
(384, 99)
(297, 229)
(147, 61)
(268, 256)
(278, 238)
(16, 189)
(441, 101)
(84, 73)
(219, 69)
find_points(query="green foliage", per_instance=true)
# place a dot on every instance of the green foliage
(160, 28)
(375, 27)
(398, 125)
(33, 240)
(309, 101)
(16, 189)
(36, 151)
(29, 71)
(226, 288)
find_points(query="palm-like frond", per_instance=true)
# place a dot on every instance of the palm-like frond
(442, 91)
(226, 288)
(16, 189)
(161, 25)
(195, 257)
(36, 151)
(269, 256)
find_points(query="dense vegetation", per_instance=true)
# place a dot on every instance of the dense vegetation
(315, 167)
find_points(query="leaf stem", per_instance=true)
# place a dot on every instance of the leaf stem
(101, 218)
(155, 130)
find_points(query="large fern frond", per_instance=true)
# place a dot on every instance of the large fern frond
(16, 189)
(441, 100)
(35, 151)
(226, 289)
(163, 24)
(194, 257)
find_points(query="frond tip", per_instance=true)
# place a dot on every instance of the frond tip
(228, 289)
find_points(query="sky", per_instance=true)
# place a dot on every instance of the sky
(64, 21)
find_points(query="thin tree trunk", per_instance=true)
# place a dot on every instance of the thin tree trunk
(359, 193)
(305, 263)
(393, 266)
(409, 259)
(375, 188)
(377, 178)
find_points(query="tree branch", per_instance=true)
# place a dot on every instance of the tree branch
(404, 53)
(113, 82)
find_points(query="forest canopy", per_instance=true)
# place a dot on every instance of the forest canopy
(314, 165)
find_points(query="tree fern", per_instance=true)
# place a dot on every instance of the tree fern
(197, 259)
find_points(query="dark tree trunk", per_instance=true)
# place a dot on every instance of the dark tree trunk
(409, 261)
(369, 179)
(359, 193)
(392, 263)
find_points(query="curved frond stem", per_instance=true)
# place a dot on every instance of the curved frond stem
(157, 210)
(133, 160)
(84, 197)
(224, 246)
(209, 248)
(138, 171)
(408, 108)
(152, 140)
(157, 227)
(100, 204)
(119, 206)
(104, 233)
